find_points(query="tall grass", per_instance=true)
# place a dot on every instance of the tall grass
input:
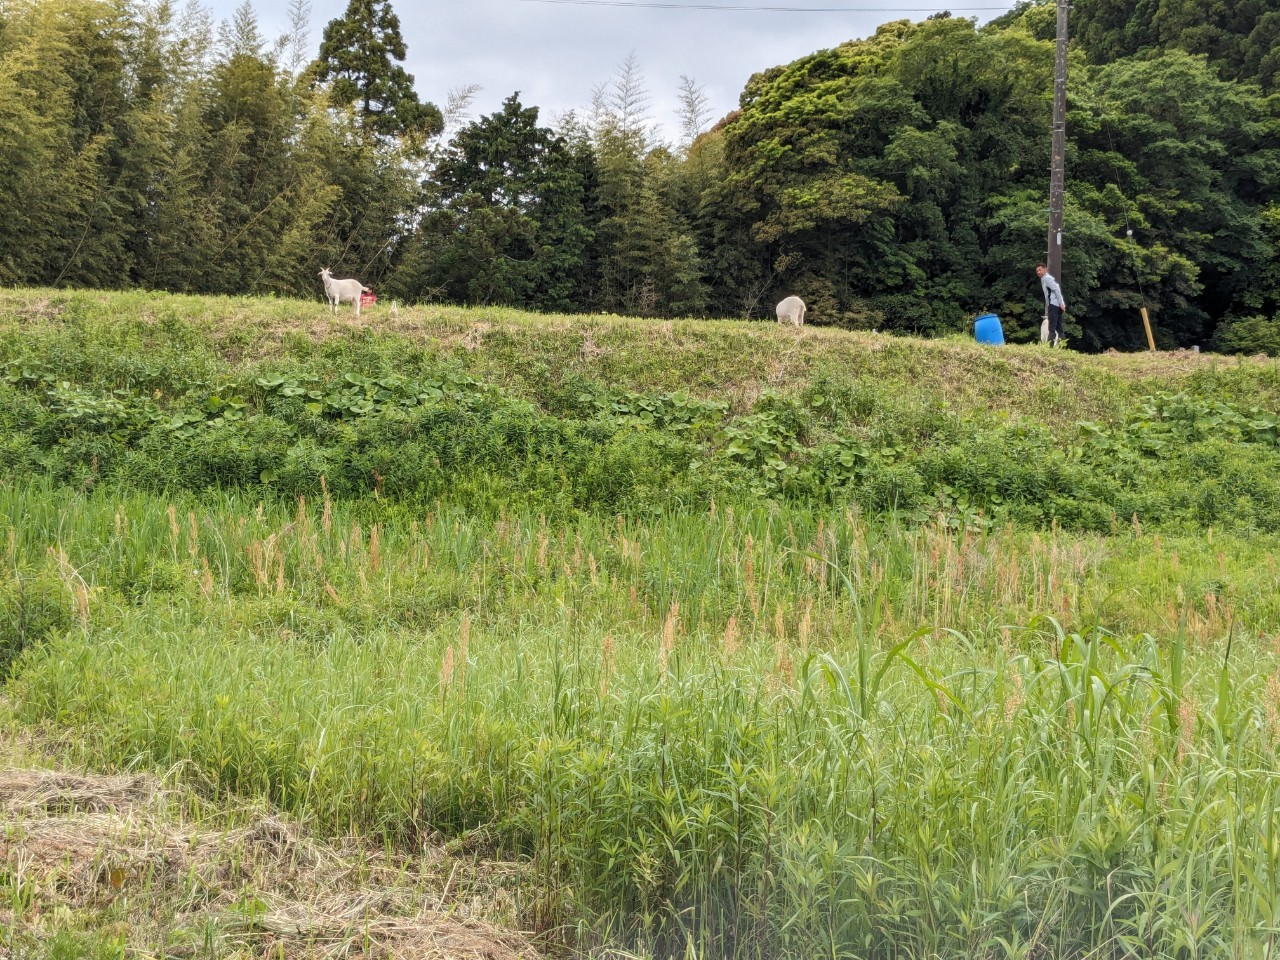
(720, 733)
(782, 572)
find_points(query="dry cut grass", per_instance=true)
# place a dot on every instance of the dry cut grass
(151, 868)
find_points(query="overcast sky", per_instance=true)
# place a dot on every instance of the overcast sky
(555, 53)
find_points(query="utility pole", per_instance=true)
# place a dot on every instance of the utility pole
(1057, 172)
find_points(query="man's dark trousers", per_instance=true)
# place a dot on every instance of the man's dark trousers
(1056, 332)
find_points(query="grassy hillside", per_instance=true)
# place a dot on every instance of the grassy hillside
(746, 642)
(730, 360)
(606, 414)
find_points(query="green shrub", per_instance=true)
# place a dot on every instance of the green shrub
(1249, 335)
(32, 608)
(894, 486)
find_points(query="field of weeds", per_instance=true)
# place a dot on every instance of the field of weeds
(920, 651)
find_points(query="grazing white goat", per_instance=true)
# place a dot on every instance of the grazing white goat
(791, 310)
(341, 291)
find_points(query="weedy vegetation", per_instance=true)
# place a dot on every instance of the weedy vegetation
(876, 648)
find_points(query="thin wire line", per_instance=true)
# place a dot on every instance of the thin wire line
(1124, 206)
(654, 5)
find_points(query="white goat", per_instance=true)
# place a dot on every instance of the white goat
(341, 291)
(791, 310)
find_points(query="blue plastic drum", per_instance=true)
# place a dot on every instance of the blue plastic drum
(987, 329)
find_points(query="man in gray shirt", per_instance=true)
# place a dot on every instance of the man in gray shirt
(1055, 306)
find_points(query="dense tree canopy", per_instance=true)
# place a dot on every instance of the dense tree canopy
(1240, 37)
(897, 182)
(360, 58)
(868, 175)
(506, 223)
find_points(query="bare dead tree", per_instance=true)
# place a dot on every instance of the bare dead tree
(694, 111)
(629, 97)
(196, 40)
(291, 49)
(457, 108)
(620, 106)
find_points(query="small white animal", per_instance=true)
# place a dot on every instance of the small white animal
(341, 291)
(791, 310)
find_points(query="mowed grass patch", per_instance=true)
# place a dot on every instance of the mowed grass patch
(109, 866)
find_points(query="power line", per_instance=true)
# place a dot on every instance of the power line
(655, 5)
(1128, 224)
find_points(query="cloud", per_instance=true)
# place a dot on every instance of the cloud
(555, 54)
